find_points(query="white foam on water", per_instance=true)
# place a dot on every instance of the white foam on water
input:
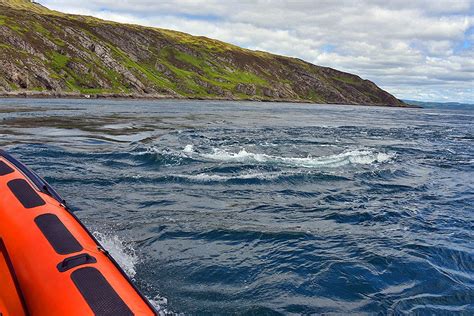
(188, 149)
(363, 157)
(159, 302)
(153, 150)
(204, 177)
(122, 252)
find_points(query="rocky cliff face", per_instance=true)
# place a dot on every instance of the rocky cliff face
(50, 52)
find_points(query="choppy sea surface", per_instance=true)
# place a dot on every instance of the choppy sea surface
(259, 208)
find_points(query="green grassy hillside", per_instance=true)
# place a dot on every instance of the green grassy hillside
(54, 53)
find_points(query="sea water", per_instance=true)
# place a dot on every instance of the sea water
(261, 208)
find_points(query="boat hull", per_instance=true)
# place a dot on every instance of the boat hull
(59, 267)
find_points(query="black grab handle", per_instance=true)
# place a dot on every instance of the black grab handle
(75, 261)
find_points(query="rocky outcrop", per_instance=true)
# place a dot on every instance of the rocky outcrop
(49, 52)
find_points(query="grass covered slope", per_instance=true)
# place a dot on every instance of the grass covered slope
(51, 52)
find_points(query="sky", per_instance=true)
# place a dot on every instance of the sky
(415, 49)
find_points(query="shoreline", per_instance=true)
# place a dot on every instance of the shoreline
(138, 97)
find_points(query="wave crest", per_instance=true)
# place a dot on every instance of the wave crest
(363, 157)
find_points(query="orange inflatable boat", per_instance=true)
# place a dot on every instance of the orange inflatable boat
(50, 264)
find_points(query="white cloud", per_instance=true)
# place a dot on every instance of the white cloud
(415, 49)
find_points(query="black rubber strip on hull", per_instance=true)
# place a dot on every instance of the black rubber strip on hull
(98, 293)
(5, 169)
(59, 237)
(25, 193)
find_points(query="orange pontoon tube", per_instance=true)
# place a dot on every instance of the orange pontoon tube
(50, 264)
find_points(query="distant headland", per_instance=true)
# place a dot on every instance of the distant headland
(45, 53)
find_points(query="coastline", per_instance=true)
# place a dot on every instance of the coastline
(27, 94)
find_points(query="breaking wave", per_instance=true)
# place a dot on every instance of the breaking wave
(363, 157)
